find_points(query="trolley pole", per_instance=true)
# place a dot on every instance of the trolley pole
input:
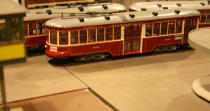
(5, 107)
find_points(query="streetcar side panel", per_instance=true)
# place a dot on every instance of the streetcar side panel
(112, 48)
(167, 33)
(204, 18)
(85, 41)
(35, 33)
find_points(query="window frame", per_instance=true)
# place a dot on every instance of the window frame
(203, 17)
(100, 34)
(26, 29)
(63, 36)
(41, 28)
(164, 27)
(74, 36)
(92, 35)
(173, 27)
(208, 17)
(109, 33)
(56, 37)
(117, 34)
(83, 36)
(155, 29)
(150, 30)
(181, 26)
(137, 28)
(48, 36)
(128, 31)
(33, 28)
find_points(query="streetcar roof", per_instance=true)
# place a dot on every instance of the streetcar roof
(58, 10)
(119, 18)
(198, 5)
(8, 7)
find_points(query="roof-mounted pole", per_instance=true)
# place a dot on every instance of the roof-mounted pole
(132, 15)
(107, 17)
(155, 13)
(105, 7)
(177, 11)
(143, 9)
(179, 4)
(81, 9)
(165, 8)
(81, 19)
(159, 5)
(49, 12)
(202, 4)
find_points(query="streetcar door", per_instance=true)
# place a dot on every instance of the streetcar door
(132, 39)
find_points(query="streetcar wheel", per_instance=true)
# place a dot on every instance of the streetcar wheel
(157, 50)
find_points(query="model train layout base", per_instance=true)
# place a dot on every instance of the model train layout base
(202, 87)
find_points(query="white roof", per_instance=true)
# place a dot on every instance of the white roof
(198, 5)
(33, 15)
(119, 18)
(8, 7)
(57, 10)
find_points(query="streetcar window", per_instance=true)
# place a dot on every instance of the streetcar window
(190, 24)
(91, 35)
(83, 36)
(74, 37)
(26, 29)
(171, 28)
(148, 29)
(164, 28)
(39, 31)
(15, 22)
(47, 37)
(178, 26)
(194, 23)
(136, 44)
(53, 37)
(128, 47)
(32, 29)
(208, 17)
(128, 31)
(117, 32)
(187, 25)
(100, 34)
(15, 33)
(63, 38)
(156, 29)
(203, 17)
(109, 33)
(41, 28)
(137, 30)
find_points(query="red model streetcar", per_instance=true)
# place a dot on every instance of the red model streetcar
(35, 33)
(119, 34)
(202, 6)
